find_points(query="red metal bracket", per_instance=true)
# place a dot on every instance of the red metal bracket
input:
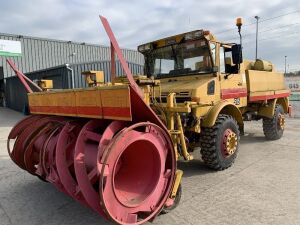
(116, 49)
(23, 78)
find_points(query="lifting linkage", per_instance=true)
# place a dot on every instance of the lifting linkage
(23, 78)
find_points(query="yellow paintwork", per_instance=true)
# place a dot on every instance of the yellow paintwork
(211, 116)
(178, 38)
(263, 65)
(268, 110)
(93, 78)
(177, 182)
(281, 121)
(261, 81)
(193, 86)
(45, 84)
(177, 135)
(284, 102)
(207, 107)
(90, 102)
(230, 145)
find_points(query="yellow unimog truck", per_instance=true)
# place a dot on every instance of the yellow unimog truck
(200, 92)
(204, 91)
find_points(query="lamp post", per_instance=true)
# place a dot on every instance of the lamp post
(257, 18)
(284, 65)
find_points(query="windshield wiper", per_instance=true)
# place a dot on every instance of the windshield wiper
(180, 71)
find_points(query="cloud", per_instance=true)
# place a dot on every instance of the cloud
(135, 22)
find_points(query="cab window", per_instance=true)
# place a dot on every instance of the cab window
(226, 64)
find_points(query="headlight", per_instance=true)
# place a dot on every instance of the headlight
(188, 36)
(145, 47)
(170, 41)
(193, 35)
(141, 48)
(198, 34)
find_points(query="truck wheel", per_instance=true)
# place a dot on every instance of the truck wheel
(274, 127)
(177, 199)
(219, 144)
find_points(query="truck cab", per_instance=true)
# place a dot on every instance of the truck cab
(205, 87)
(197, 68)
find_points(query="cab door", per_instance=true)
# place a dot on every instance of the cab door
(232, 79)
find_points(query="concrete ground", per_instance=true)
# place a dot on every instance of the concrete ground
(263, 187)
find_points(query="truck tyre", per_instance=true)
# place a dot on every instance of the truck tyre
(177, 199)
(219, 144)
(273, 127)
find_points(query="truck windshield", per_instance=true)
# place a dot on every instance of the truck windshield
(179, 59)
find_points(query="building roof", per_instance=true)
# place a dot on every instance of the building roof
(42, 53)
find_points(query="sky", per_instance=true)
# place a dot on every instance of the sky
(139, 21)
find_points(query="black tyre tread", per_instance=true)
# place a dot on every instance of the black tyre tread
(208, 140)
(166, 210)
(270, 125)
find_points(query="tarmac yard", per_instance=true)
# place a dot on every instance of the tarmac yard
(263, 187)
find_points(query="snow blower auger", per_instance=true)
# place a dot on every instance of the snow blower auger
(103, 146)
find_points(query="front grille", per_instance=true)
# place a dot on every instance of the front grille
(178, 99)
(178, 94)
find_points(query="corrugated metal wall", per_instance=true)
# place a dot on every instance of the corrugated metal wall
(105, 67)
(16, 97)
(41, 53)
(1, 73)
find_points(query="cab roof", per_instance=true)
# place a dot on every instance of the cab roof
(187, 36)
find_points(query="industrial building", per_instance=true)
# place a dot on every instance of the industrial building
(61, 61)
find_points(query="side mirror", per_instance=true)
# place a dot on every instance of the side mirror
(237, 56)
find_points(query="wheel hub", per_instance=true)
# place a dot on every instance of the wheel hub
(230, 142)
(281, 121)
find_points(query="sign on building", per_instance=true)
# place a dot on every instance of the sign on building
(10, 48)
(293, 83)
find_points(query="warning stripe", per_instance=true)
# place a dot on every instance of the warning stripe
(83, 110)
(233, 93)
(267, 97)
